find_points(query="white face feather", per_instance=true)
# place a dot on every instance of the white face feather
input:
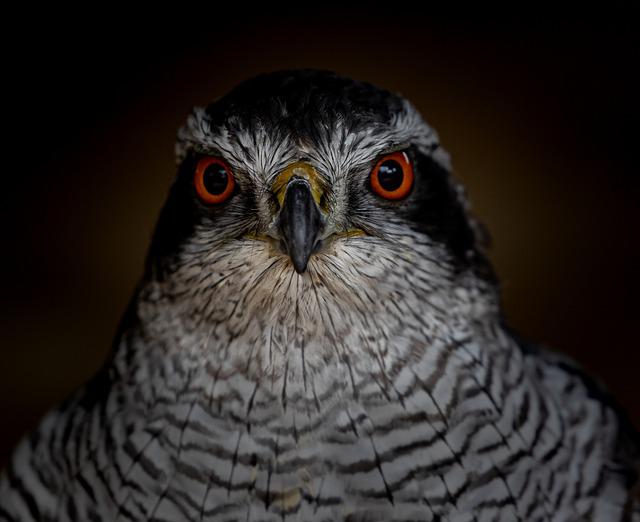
(341, 149)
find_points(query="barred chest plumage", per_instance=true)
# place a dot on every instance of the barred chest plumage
(464, 430)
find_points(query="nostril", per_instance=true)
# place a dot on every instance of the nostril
(317, 245)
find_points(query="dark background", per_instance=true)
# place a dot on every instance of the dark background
(540, 115)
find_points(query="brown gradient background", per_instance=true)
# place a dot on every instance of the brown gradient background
(541, 119)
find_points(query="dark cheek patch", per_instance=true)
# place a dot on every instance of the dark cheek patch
(183, 210)
(435, 209)
(177, 219)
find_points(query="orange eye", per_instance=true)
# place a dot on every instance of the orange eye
(213, 180)
(392, 177)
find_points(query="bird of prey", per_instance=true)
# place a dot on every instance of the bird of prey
(318, 336)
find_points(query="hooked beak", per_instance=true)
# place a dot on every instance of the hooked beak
(300, 221)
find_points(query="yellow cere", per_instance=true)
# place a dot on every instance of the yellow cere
(352, 232)
(301, 170)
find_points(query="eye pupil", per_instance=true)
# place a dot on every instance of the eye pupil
(390, 175)
(215, 179)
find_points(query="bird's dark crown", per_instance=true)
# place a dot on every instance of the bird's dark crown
(300, 99)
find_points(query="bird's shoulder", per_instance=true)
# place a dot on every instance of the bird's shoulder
(574, 387)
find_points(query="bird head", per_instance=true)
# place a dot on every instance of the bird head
(308, 195)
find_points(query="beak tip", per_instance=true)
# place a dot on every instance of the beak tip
(299, 265)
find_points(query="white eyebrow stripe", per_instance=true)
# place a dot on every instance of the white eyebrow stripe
(255, 151)
(335, 153)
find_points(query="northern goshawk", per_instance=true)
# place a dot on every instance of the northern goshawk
(318, 336)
